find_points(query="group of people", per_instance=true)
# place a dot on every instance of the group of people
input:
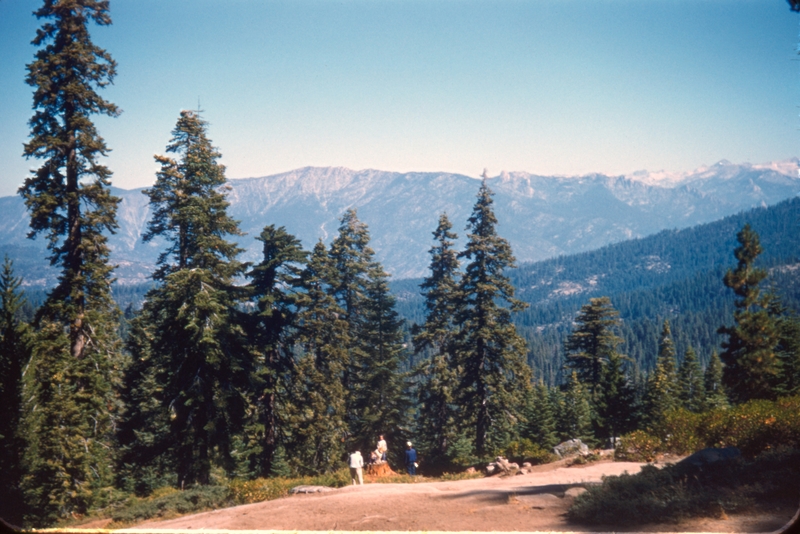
(379, 456)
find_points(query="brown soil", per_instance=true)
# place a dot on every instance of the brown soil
(536, 501)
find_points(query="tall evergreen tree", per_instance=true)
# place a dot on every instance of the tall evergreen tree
(749, 355)
(575, 412)
(76, 345)
(351, 260)
(381, 390)
(788, 347)
(593, 342)
(318, 409)
(691, 391)
(661, 393)
(273, 282)
(495, 375)
(14, 356)
(540, 415)
(615, 401)
(196, 341)
(437, 374)
(715, 396)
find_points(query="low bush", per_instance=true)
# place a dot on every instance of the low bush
(679, 491)
(753, 427)
(638, 446)
(525, 450)
(165, 503)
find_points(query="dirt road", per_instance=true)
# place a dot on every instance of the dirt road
(532, 502)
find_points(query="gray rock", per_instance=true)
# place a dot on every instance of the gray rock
(707, 457)
(309, 489)
(573, 447)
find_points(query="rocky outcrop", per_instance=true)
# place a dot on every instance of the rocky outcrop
(571, 448)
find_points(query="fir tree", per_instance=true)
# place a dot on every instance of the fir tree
(788, 347)
(749, 355)
(691, 391)
(145, 462)
(195, 338)
(14, 356)
(76, 347)
(437, 374)
(491, 354)
(715, 396)
(575, 412)
(351, 259)
(593, 342)
(381, 390)
(540, 415)
(615, 402)
(661, 393)
(317, 411)
(272, 283)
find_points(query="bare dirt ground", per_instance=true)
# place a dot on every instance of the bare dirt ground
(535, 501)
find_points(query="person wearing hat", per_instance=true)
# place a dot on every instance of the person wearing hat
(411, 459)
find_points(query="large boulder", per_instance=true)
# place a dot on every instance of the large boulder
(710, 457)
(571, 448)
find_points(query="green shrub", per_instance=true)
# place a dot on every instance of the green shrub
(525, 450)
(447, 477)
(638, 446)
(172, 503)
(753, 427)
(679, 491)
(680, 432)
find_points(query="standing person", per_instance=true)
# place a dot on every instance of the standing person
(382, 448)
(411, 459)
(356, 463)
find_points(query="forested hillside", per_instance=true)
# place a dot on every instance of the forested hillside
(675, 275)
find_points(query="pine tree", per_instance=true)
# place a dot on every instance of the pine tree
(591, 351)
(749, 355)
(593, 342)
(145, 460)
(272, 283)
(14, 356)
(318, 407)
(194, 333)
(495, 375)
(788, 347)
(540, 415)
(615, 401)
(351, 259)
(381, 391)
(715, 395)
(76, 347)
(437, 374)
(575, 412)
(661, 393)
(691, 391)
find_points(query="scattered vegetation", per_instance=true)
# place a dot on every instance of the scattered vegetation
(680, 491)
(753, 427)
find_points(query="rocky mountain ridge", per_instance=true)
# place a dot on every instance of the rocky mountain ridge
(542, 216)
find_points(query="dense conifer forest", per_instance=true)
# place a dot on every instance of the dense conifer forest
(221, 371)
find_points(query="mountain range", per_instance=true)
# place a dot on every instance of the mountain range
(542, 216)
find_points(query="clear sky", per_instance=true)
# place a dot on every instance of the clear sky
(543, 86)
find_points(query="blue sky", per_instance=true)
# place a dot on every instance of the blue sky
(547, 86)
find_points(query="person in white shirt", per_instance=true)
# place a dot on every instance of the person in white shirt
(356, 463)
(382, 448)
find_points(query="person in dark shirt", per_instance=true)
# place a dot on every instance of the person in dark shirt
(411, 459)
